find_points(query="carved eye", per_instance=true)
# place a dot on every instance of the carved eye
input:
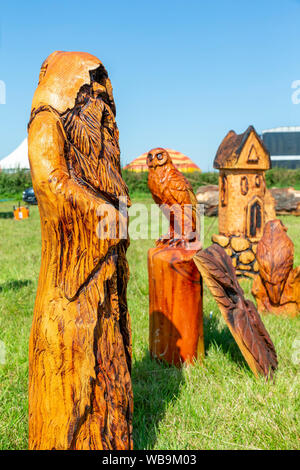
(150, 157)
(159, 156)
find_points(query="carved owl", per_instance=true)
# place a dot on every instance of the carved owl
(275, 257)
(174, 194)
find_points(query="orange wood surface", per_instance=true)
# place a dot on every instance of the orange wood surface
(175, 306)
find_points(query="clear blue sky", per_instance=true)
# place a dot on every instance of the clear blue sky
(183, 72)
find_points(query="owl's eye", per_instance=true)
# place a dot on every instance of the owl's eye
(150, 157)
(159, 156)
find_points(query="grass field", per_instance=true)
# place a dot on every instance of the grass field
(216, 406)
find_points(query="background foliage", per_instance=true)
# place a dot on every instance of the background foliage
(13, 184)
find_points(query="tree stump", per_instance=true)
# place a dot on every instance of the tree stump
(175, 304)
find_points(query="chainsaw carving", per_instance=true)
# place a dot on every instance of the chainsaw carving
(80, 394)
(277, 286)
(172, 191)
(175, 285)
(245, 204)
(240, 314)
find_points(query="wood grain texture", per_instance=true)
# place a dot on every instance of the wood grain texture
(240, 314)
(175, 306)
(80, 393)
(277, 286)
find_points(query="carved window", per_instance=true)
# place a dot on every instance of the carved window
(257, 181)
(224, 191)
(253, 157)
(244, 185)
(255, 219)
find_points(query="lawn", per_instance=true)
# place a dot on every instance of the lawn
(216, 406)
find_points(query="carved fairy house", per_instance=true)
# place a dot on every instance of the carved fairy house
(245, 205)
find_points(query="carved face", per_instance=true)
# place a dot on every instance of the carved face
(157, 157)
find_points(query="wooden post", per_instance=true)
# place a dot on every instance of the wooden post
(175, 302)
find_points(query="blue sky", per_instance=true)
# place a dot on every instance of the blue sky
(183, 72)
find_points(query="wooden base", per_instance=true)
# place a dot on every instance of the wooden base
(175, 303)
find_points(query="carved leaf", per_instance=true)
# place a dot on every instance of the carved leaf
(240, 314)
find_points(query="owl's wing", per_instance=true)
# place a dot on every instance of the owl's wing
(180, 188)
(240, 314)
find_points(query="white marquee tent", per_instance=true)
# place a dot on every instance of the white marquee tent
(17, 159)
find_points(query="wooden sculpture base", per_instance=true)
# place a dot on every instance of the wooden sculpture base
(289, 304)
(175, 298)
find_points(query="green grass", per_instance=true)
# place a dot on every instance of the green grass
(216, 406)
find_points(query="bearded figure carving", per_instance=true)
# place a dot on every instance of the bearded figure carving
(80, 393)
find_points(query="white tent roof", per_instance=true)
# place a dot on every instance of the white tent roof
(17, 159)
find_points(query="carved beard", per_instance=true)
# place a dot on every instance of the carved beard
(94, 156)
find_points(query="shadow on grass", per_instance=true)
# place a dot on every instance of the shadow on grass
(14, 285)
(155, 386)
(6, 215)
(221, 336)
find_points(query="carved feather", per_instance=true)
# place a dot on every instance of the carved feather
(240, 314)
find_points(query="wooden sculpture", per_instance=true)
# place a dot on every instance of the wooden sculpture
(175, 286)
(245, 204)
(80, 394)
(277, 286)
(240, 314)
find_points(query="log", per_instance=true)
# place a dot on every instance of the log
(209, 196)
(287, 201)
(175, 306)
(80, 392)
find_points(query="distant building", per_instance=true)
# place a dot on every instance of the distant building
(283, 144)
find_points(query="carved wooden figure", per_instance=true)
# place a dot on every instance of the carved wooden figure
(277, 286)
(240, 314)
(173, 192)
(80, 394)
(245, 204)
(175, 285)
